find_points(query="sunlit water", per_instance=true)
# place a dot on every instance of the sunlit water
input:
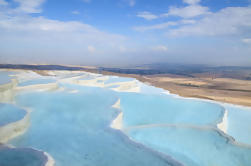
(193, 146)
(239, 123)
(74, 129)
(10, 113)
(158, 129)
(37, 81)
(147, 109)
(114, 79)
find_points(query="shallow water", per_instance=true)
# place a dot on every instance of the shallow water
(74, 129)
(37, 81)
(148, 109)
(114, 79)
(193, 146)
(21, 157)
(10, 113)
(239, 123)
(163, 129)
(147, 89)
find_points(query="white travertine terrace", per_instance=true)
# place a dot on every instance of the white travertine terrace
(117, 123)
(39, 87)
(130, 86)
(7, 91)
(50, 160)
(223, 125)
(14, 129)
(96, 80)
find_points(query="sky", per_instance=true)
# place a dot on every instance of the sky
(125, 32)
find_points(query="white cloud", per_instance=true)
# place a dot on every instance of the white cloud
(75, 12)
(3, 3)
(187, 12)
(41, 24)
(39, 39)
(132, 3)
(188, 21)
(192, 10)
(147, 15)
(155, 27)
(160, 48)
(29, 6)
(228, 21)
(122, 49)
(191, 2)
(164, 25)
(246, 40)
(91, 49)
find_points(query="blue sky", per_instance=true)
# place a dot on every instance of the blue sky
(125, 32)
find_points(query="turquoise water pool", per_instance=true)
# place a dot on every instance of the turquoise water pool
(239, 123)
(148, 109)
(193, 146)
(21, 157)
(37, 81)
(10, 113)
(114, 79)
(148, 89)
(74, 130)
(159, 129)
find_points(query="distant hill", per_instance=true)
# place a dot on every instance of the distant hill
(186, 70)
(236, 72)
(41, 67)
